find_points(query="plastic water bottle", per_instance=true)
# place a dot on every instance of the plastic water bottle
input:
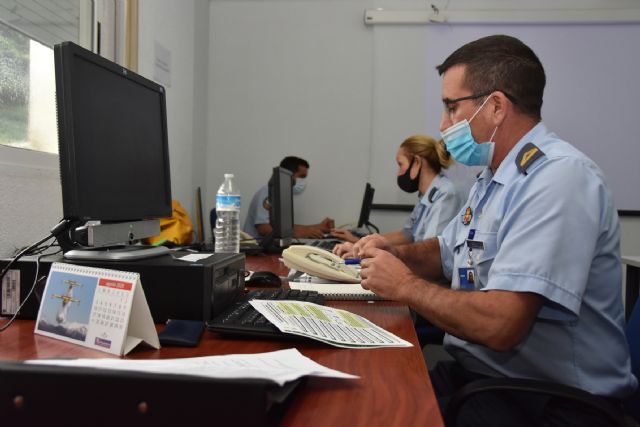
(227, 229)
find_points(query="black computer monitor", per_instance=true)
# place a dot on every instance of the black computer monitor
(281, 206)
(365, 209)
(114, 152)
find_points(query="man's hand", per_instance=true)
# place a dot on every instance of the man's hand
(307, 231)
(372, 241)
(344, 250)
(385, 274)
(327, 224)
(345, 235)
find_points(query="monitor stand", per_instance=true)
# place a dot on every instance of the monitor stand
(369, 226)
(116, 253)
(101, 242)
(275, 245)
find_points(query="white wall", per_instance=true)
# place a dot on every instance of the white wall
(252, 81)
(299, 77)
(181, 27)
(291, 78)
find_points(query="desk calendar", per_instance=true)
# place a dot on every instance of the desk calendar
(97, 308)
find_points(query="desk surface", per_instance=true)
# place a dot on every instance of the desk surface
(394, 388)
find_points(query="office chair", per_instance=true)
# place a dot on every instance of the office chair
(629, 416)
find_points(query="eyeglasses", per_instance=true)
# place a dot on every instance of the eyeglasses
(448, 103)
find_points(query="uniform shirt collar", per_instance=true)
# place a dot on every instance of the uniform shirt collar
(424, 197)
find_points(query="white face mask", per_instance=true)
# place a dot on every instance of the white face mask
(299, 185)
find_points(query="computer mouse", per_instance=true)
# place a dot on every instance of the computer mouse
(264, 279)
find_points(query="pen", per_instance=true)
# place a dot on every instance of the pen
(351, 261)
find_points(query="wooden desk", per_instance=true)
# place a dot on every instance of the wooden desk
(394, 388)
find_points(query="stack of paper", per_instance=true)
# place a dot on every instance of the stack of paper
(333, 326)
(277, 366)
(337, 291)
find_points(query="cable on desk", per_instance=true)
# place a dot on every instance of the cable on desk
(55, 231)
(35, 248)
(36, 280)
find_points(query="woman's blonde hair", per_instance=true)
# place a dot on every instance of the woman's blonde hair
(434, 152)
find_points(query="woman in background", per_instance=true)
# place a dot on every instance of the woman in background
(421, 160)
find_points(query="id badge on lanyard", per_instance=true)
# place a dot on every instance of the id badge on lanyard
(467, 275)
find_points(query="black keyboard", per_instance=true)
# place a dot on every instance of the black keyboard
(327, 245)
(242, 319)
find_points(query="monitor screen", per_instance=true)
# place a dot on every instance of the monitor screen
(112, 136)
(281, 203)
(365, 209)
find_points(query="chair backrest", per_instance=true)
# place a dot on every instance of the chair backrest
(632, 404)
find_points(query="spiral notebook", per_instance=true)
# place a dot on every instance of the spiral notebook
(337, 291)
(97, 308)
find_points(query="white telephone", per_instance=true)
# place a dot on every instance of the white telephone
(318, 262)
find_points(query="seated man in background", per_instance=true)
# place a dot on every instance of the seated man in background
(534, 261)
(257, 223)
(421, 160)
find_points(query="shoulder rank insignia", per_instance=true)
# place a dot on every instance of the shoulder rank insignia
(529, 154)
(468, 214)
(432, 193)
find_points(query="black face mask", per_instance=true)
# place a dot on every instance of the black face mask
(406, 183)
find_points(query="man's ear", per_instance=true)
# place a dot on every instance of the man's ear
(501, 106)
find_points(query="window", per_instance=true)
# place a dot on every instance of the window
(27, 91)
(28, 31)
(48, 22)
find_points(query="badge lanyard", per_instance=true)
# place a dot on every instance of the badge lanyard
(473, 244)
(467, 275)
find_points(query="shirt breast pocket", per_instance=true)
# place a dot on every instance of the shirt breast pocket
(483, 258)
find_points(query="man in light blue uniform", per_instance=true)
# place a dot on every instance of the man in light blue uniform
(533, 259)
(533, 235)
(434, 210)
(257, 223)
(258, 212)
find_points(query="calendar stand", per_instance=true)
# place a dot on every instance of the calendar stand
(97, 308)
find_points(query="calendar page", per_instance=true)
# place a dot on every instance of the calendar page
(95, 307)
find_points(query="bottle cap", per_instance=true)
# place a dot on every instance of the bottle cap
(228, 175)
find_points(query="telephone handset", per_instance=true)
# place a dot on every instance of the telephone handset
(320, 263)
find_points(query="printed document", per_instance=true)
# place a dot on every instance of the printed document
(277, 366)
(333, 326)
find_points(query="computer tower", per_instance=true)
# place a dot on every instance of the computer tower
(174, 289)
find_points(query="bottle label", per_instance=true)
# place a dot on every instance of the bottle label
(227, 202)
